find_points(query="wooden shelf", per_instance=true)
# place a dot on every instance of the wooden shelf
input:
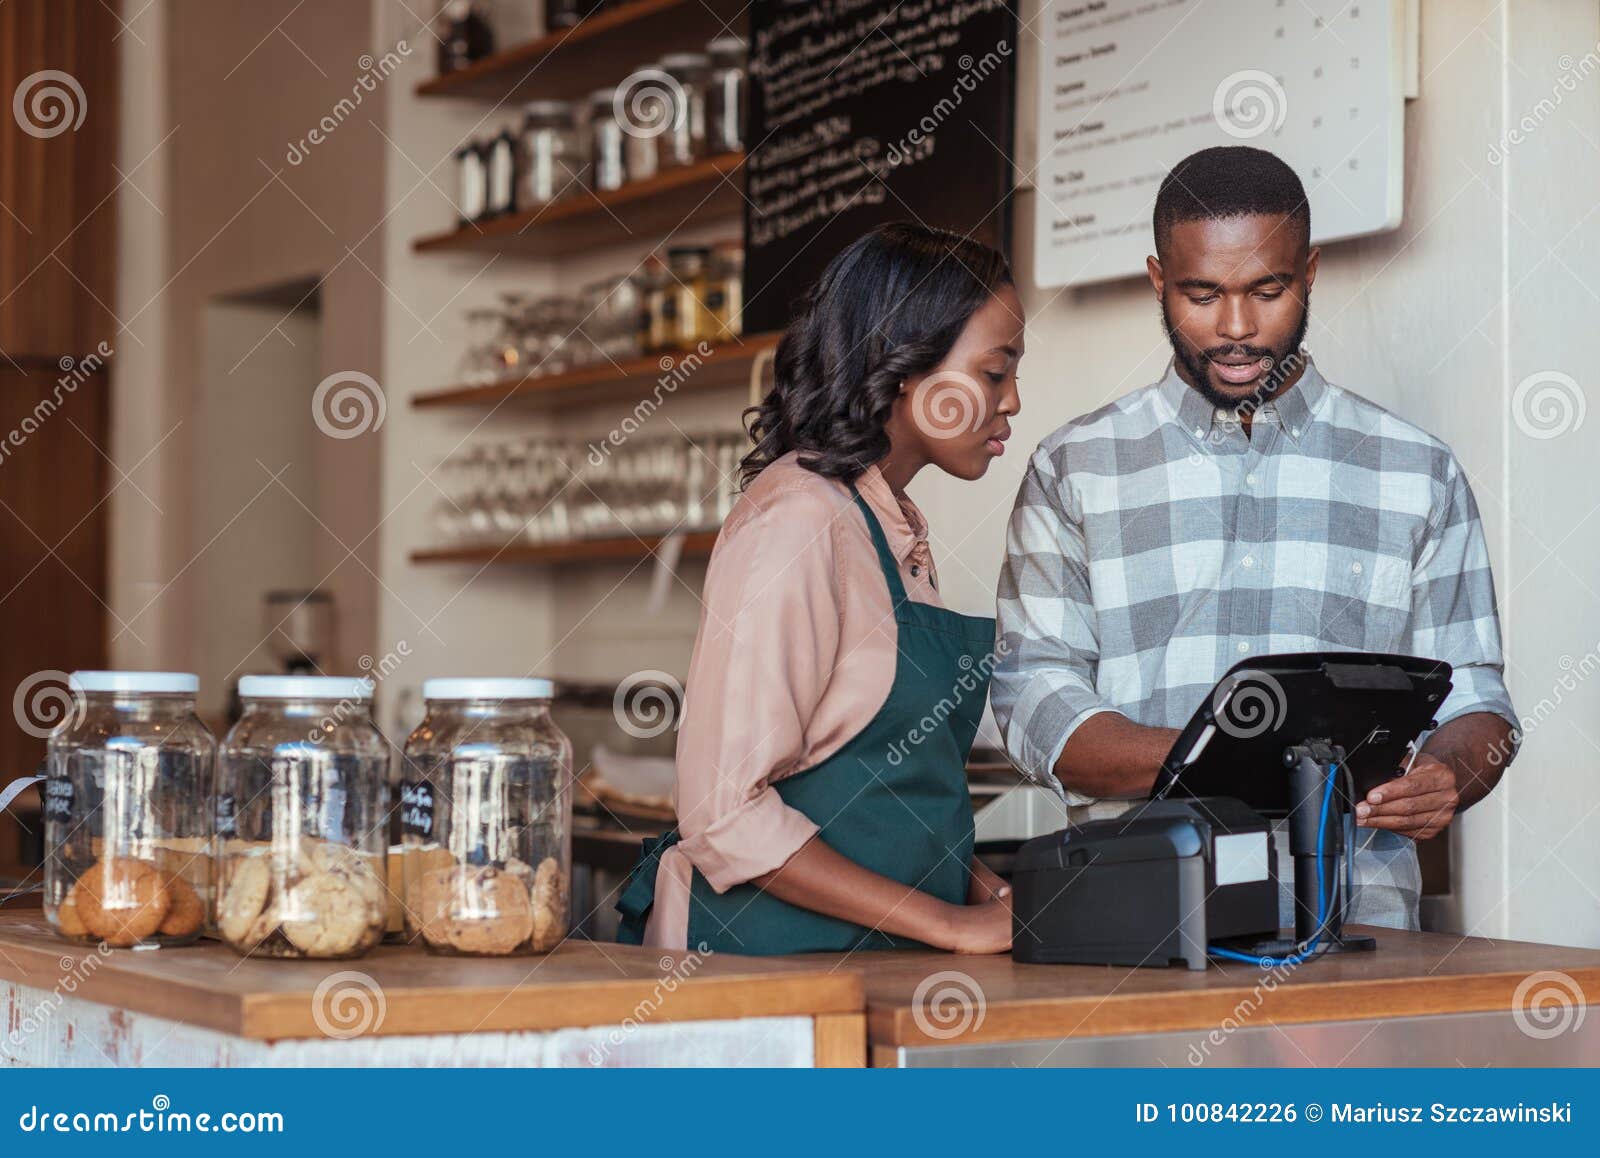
(598, 53)
(696, 544)
(726, 365)
(642, 210)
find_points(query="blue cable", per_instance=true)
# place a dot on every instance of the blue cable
(1322, 900)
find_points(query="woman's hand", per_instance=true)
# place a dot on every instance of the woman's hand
(985, 885)
(980, 928)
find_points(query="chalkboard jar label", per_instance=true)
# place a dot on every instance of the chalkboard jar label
(58, 798)
(416, 808)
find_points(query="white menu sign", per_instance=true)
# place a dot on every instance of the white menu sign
(1129, 87)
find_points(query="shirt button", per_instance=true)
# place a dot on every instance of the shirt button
(1249, 561)
(1195, 460)
(1198, 433)
(1243, 646)
(1249, 480)
(1355, 568)
(915, 571)
(1295, 432)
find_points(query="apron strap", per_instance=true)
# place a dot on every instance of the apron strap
(886, 559)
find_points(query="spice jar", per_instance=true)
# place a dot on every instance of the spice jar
(688, 283)
(486, 819)
(725, 90)
(560, 15)
(472, 183)
(724, 298)
(303, 781)
(607, 161)
(466, 37)
(127, 822)
(654, 312)
(682, 141)
(501, 170)
(549, 158)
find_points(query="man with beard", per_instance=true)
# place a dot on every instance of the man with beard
(1243, 505)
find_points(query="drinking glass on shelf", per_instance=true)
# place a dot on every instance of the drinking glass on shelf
(480, 362)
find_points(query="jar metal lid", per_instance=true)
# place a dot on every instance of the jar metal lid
(260, 687)
(488, 689)
(135, 682)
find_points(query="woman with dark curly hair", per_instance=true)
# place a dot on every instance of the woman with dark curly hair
(822, 795)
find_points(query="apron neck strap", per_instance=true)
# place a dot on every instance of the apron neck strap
(886, 559)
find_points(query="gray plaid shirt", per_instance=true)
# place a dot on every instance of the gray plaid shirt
(1153, 545)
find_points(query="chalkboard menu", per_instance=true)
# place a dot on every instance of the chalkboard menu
(867, 111)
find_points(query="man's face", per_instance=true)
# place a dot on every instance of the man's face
(1235, 297)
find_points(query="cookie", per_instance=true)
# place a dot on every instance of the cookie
(549, 901)
(186, 913)
(495, 916)
(327, 915)
(122, 901)
(67, 918)
(431, 902)
(244, 895)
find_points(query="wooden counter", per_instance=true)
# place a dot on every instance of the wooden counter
(210, 988)
(935, 1009)
(1420, 999)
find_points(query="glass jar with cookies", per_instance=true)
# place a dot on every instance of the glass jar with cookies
(126, 811)
(302, 820)
(486, 811)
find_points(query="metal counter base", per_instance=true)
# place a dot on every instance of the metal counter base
(1464, 1039)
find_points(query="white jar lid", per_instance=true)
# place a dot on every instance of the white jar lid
(258, 687)
(488, 689)
(135, 682)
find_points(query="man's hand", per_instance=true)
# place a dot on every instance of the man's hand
(1419, 804)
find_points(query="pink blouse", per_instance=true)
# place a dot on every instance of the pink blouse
(794, 656)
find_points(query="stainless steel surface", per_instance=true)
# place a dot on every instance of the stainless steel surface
(1461, 1039)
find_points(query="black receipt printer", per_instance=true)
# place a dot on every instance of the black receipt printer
(1148, 888)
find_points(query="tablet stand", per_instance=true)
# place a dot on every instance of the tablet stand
(1311, 764)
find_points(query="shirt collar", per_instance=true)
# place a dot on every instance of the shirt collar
(1294, 409)
(903, 524)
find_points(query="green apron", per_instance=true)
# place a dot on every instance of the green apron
(894, 799)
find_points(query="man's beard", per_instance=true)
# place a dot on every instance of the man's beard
(1286, 363)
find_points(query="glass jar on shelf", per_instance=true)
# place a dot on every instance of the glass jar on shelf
(682, 139)
(486, 819)
(465, 36)
(472, 184)
(304, 781)
(725, 95)
(654, 320)
(549, 158)
(724, 299)
(127, 820)
(688, 285)
(608, 168)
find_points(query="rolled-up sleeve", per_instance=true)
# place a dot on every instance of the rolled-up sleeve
(1453, 613)
(1043, 687)
(769, 636)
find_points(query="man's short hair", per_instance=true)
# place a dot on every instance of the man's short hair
(1229, 181)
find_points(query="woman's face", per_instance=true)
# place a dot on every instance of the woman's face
(957, 416)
